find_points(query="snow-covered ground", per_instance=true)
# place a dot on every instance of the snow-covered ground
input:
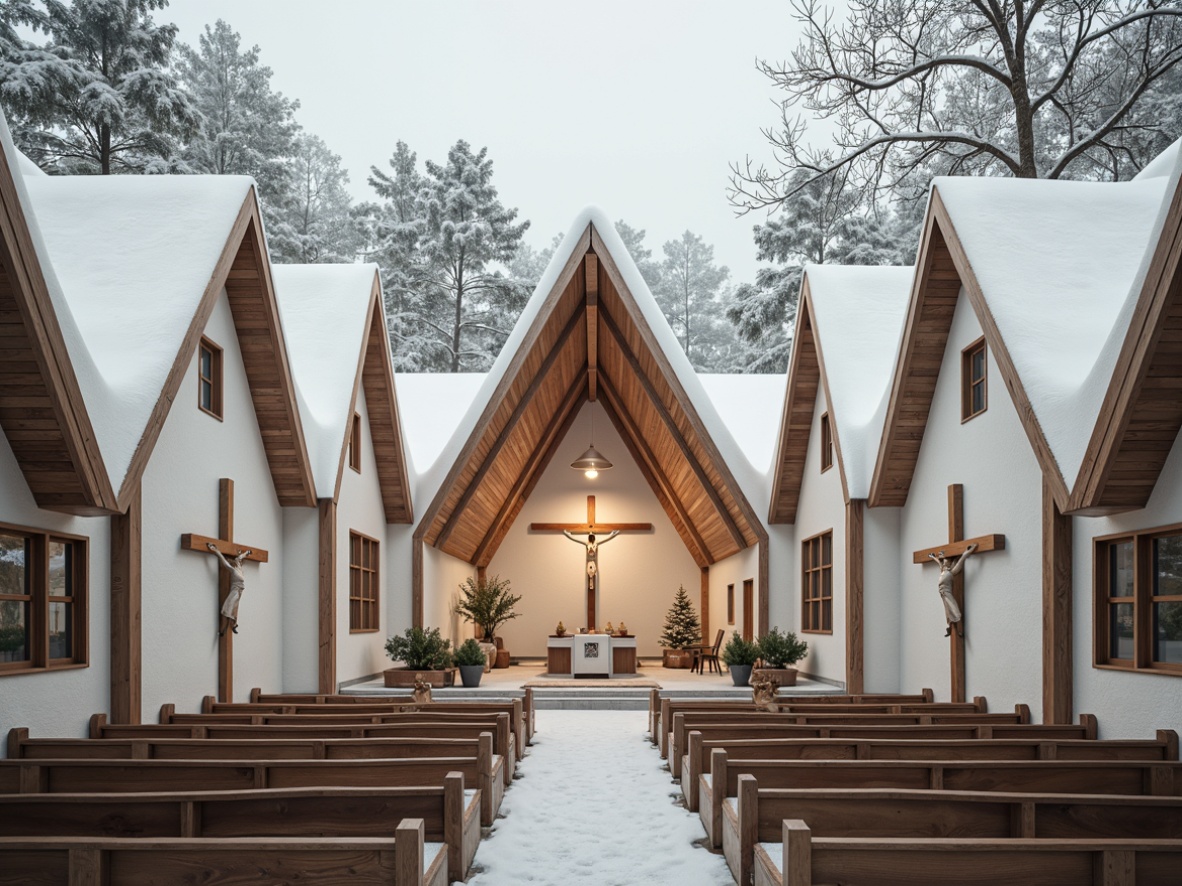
(594, 804)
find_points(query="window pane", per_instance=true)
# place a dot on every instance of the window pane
(1167, 566)
(978, 404)
(61, 569)
(14, 630)
(206, 395)
(827, 583)
(206, 363)
(14, 554)
(1120, 567)
(1120, 644)
(827, 621)
(61, 633)
(978, 371)
(1167, 632)
(826, 549)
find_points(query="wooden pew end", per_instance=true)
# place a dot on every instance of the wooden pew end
(17, 736)
(798, 850)
(97, 722)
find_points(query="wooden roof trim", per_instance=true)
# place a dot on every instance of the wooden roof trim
(699, 428)
(519, 408)
(650, 468)
(347, 430)
(51, 355)
(504, 384)
(834, 429)
(246, 231)
(940, 239)
(556, 429)
(1160, 293)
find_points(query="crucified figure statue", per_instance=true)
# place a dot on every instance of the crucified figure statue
(592, 544)
(237, 586)
(948, 569)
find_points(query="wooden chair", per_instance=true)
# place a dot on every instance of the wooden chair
(704, 655)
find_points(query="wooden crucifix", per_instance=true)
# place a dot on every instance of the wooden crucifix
(956, 547)
(226, 547)
(591, 528)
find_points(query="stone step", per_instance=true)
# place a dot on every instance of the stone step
(589, 703)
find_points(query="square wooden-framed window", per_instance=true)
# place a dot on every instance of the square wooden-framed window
(816, 583)
(826, 443)
(730, 604)
(209, 378)
(43, 600)
(974, 390)
(363, 583)
(355, 443)
(1137, 594)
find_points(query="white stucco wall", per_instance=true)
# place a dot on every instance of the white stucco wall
(359, 509)
(783, 585)
(59, 703)
(442, 576)
(180, 494)
(1128, 705)
(821, 509)
(991, 457)
(733, 570)
(301, 599)
(882, 559)
(639, 571)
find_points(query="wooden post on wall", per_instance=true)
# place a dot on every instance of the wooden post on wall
(705, 604)
(956, 641)
(226, 638)
(126, 627)
(416, 561)
(1057, 675)
(854, 579)
(327, 623)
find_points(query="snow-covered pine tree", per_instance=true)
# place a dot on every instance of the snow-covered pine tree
(99, 96)
(314, 221)
(682, 627)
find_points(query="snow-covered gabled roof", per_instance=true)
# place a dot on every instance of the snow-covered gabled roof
(592, 329)
(335, 329)
(1053, 270)
(432, 405)
(848, 325)
(742, 400)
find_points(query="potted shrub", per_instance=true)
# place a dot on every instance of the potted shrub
(740, 656)
(470, 659)
(778, 652)
(424, 654)
(682, 631)
(488, 603)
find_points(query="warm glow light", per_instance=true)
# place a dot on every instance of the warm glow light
(591, 474)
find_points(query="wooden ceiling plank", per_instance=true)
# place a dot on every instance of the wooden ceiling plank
(540, 377)
(674, 431)
(796, 422)
(592, 267)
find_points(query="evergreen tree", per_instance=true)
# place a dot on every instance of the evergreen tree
(688, 293)
(650, 271)
(314, 223)
(99, 96)
(682, 627)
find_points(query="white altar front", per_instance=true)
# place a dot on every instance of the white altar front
(591, 655)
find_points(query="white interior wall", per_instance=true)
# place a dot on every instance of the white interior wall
(442, 576)
(59, 702)
(991, 456)
(639, 571)
(732, 571)
(359, 509)
(821, 509)
(180, 494)
(1129, 705)
(783, 604)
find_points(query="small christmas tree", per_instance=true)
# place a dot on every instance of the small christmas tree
(682, 628)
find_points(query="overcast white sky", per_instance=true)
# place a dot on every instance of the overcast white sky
(635, 106)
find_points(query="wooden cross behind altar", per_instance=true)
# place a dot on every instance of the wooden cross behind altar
(229, 549)
(956, 545)
(589, 527)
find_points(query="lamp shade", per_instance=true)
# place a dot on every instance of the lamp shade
(591, 460)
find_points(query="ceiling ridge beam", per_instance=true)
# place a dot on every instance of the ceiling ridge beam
(510, 424)
(675, 431)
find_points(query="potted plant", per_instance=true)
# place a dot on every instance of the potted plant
(682, 631)
(470, 659)
(740, 656)
(778, 652)
(424, 653)
(488, 603)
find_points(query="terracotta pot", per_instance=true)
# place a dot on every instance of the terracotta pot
(406, 677)
(785, 676)
(677, 658)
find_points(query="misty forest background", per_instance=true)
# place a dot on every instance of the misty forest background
(907, 90)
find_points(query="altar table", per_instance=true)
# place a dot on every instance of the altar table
(591, 655)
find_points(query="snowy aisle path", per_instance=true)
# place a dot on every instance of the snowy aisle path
(594, 805)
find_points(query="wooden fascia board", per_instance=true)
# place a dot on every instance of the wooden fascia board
(347, 431)
(683, 399)
(1136, 355)
(399, 507)
(786, 482)
(504, 384)
(32, 294)
(1001, 354)
(833, 423)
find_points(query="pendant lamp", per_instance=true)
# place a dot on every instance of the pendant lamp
(592, 461)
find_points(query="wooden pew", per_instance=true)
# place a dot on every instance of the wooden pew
(130, 776)
(100, 728)
(806, 860)
(257, 696)
(448, 815)
(756, 816)
(506, 734)
(683, 723)
(404, 860)
(490, 767)
(697, 762)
